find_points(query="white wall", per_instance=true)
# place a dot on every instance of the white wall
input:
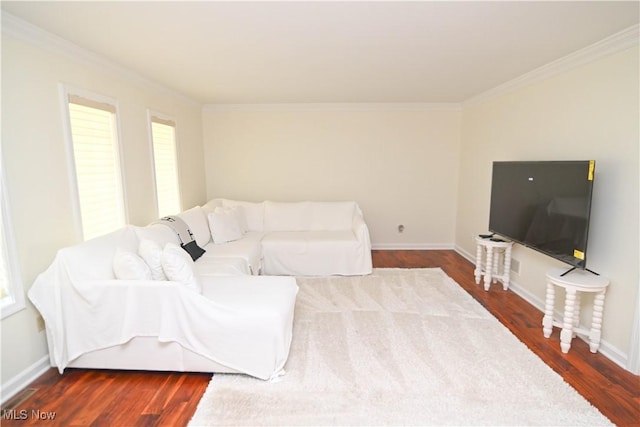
(400, 163)
(590, 112)
(34, 155)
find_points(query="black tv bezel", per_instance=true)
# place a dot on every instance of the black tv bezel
(581, 263)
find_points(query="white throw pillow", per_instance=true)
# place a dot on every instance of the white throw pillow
(129, 266)
(197, 222)
(151, 253)
(253, 213)
(178, 266)
(238, 213)
(224, 225)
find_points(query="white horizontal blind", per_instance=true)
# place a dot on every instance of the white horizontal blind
(163, 135)
(4, 272)
(97, 166)
(11, 293)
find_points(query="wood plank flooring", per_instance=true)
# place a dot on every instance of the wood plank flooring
(82, 397)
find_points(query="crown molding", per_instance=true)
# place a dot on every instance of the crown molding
(293, 107)
(22, 30)
(617, 42)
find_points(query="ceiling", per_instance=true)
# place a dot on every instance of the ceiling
(330, 52)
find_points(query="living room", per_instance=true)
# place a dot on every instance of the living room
(420, 162)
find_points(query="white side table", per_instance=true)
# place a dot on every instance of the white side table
(493, 261)
(574, 282)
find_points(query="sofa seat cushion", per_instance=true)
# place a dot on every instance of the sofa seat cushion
(311, 253)
(260, 312)
(248, 248)
(212, 266)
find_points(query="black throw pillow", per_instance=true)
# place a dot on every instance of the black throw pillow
(193, 249)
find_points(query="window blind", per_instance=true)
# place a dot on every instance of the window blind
(4, 273)
(11, 293)
(165, 166)
(97, 166)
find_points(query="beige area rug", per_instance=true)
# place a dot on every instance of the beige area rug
(398, 347)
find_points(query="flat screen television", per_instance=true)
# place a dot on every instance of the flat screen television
(544, 205)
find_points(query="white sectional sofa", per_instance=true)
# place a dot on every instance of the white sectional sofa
(133, 299)
(201, 319)
(300, 238)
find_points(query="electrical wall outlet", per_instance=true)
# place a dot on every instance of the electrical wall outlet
(400, 228)
(40, 323)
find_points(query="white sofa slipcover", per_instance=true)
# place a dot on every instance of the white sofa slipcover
(305, 238)
(235, 323)
(238, 323)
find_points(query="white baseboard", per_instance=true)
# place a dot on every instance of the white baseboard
(606, 348)
(465, 254)
(22, 380)
(411, 246)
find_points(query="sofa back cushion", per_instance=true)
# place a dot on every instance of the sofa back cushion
(332, 216)
(226, 224)
(159, 233)
(253, 213)
(93, 259)
(293, 216)
(196, 220)
(211, 206)
(287, 216)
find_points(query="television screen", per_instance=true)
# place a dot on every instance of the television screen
(544, 205)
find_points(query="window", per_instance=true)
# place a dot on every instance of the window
(11, 293)
(96, 161)
(165, 165)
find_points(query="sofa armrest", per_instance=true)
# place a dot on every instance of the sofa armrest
(361, 230)
(119, 283)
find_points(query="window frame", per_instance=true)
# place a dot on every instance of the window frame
(161, 117)
(67, 91)
(14, 301)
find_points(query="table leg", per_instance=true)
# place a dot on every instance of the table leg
(596, 323)
(488, 268)
(496, 260)
(547, 320)
(576, 313)
(567, 323)
(506, 275)
(478, 271)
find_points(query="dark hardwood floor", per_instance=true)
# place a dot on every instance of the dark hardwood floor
(121, 398)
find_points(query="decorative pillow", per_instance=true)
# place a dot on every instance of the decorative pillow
(151, 253)
(197, 222)
(178, 266)
(253, 213)
(224, 225)
(238, 213)
(193, 249)
(129, 266)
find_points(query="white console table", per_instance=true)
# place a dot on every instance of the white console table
(574, 282)
(493, 261)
